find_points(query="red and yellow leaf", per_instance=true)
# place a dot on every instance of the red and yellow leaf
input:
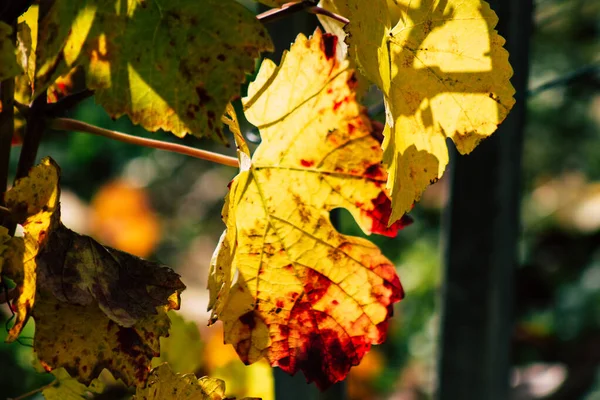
(307, 297)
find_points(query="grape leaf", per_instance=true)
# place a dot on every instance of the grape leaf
(109, 303)
(84, 341)
(307, 297)
(443, 72)
(8, 58)
(170, 65)
(164, 384)
(68, 388)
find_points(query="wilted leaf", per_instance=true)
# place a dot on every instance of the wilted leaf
(307, 298)
(164, 384)
(155, 60)
(439, 78)
(68, 388)
(84, 341)
(183, 348)
(8, 58)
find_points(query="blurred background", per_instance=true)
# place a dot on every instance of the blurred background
(166, 207)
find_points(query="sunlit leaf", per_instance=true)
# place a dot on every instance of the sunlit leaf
(443, 72)
(164, 384)
(307, 297)
(170, 65)
(68, 388)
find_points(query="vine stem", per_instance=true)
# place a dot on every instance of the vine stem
(68, 124)
(291, 8)
(34, 391)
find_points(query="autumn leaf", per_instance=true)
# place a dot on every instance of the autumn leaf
(8, 59)
(155, 60)
(113, 304)
(443, 72)
(307, 297)
(84, 341)
(68, 388)
(164, 384)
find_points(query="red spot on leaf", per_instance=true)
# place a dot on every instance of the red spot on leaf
(316, 285)
(380, 215)
(375, 171)
(330, 44)
(307, 163)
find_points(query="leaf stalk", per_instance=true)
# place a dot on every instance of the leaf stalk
(68, 124)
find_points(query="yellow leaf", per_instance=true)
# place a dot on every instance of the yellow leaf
(155, 60)
(164, 384)
(443, 72)
(307, 297)
(113, 295)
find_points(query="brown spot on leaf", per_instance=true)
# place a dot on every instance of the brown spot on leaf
(329, 45)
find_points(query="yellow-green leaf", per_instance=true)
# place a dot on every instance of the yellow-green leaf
(68, 388)
(95, 307)
(307, 297)
(84, 341)
(8, 56)
(183, 348)
(75, 268)
(443, 72)
(164, 384)
(167, 64)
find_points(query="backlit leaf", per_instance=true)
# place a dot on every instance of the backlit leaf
(183, 348)
(443, 72)
(167, 64)
(109, 304)
(68, 388)
(164, 384)
(307, 297)
(84, 341)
